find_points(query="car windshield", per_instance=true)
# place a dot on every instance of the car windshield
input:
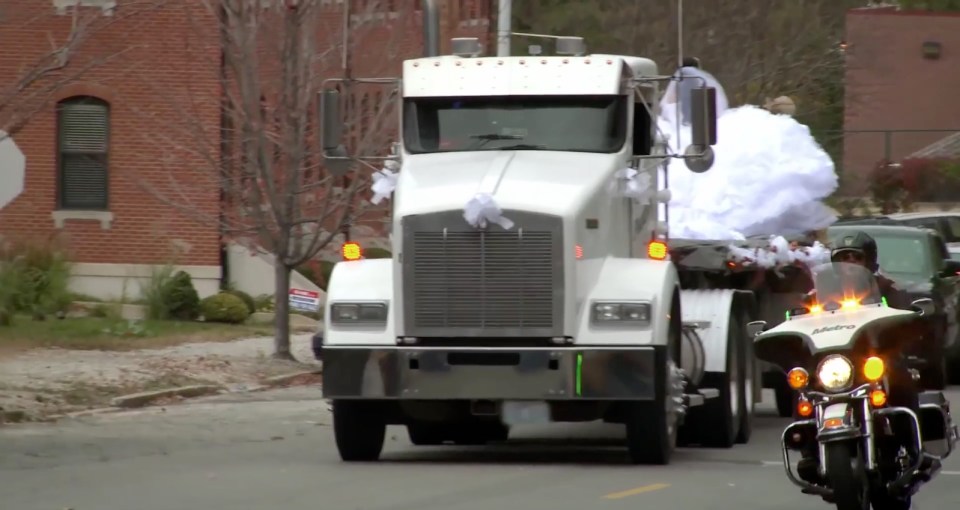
(904, 258)
(555, 123)
(841, 285)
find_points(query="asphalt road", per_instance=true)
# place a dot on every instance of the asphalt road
(275, 451)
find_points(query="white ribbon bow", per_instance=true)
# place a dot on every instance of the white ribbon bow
(482, 210)
(384, 183)
(638, 184)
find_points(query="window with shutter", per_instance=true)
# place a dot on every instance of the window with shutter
(83, 139)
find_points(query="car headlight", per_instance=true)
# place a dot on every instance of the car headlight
(835, 372)
(358, 313)
(607, 312)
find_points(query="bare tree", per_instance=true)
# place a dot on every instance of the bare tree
(276, 194)
(48, 69)
(758, 50)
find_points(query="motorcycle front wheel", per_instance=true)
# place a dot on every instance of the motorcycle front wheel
(847, 476)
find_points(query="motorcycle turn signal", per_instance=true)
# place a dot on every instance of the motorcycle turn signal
(873, 368)
(798, 378)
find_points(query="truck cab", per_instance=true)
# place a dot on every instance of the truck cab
(531, 280)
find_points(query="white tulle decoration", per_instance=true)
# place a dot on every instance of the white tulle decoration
(635, 184)
(482, 210)
(770, 175)
(779, 253)
(384, 182)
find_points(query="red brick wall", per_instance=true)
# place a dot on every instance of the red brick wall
(152, 52)
(890, 85)
(163, 88)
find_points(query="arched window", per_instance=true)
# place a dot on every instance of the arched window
(83, 127)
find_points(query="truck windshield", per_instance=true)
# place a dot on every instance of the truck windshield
(488, 123)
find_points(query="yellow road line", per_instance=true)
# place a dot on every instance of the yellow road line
(637, 490)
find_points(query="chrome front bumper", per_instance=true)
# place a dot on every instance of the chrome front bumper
(471, 373)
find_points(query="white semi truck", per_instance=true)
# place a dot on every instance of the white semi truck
(526, 286)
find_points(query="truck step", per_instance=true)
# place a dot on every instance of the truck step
(709, 393)
(701, 396)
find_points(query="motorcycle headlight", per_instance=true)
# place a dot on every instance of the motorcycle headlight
(835, 372)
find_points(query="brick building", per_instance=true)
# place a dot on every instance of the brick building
(902, 78)
(102, 145)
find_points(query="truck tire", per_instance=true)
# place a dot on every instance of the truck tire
(359, 430)
(719, 419)
(652, 426)
(747, 370)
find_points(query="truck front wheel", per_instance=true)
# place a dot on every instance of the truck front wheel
(652, 426)
(359, 430)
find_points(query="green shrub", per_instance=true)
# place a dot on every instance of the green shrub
(224, 307)
(34, 278)
(377, 253)
(181, 298)
(264, 303)
(247, 299)
(154, 298)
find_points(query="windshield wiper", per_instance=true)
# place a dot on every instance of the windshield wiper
(483, 139)
(521, 146)
(496, 136)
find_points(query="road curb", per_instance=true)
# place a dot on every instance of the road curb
(145, 398)
(281, 380)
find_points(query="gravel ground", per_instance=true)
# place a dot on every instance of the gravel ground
(45, 381)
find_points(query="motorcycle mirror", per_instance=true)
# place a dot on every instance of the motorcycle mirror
(923, 306)
(754, 328)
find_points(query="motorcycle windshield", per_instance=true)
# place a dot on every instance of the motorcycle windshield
(841, 285)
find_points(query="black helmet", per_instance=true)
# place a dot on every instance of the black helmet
(860, 242)
(691, 62)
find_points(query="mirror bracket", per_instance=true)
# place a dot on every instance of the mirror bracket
(755, 328)
(923, 307)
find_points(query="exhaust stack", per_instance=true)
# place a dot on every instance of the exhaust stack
(431, 28)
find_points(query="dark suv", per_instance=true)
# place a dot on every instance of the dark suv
(918, 261)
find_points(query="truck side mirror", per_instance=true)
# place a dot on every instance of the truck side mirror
(703, 129)
(335, 154)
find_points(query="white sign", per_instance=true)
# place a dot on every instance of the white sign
(305, 300)
(13, 165)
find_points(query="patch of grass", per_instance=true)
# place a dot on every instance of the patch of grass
(115, 334)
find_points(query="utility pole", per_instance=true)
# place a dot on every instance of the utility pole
(345, 65)
(504, 15)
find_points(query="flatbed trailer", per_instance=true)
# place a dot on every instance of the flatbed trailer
(765, 293)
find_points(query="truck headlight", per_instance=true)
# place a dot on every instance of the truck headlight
(608, 312)
(835, 372)
(358, 313)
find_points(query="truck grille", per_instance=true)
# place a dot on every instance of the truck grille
(497, 283)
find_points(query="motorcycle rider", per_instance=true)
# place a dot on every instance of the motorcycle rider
(861, 249)
(903, 390)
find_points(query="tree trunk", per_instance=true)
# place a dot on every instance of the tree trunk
(281, 338)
